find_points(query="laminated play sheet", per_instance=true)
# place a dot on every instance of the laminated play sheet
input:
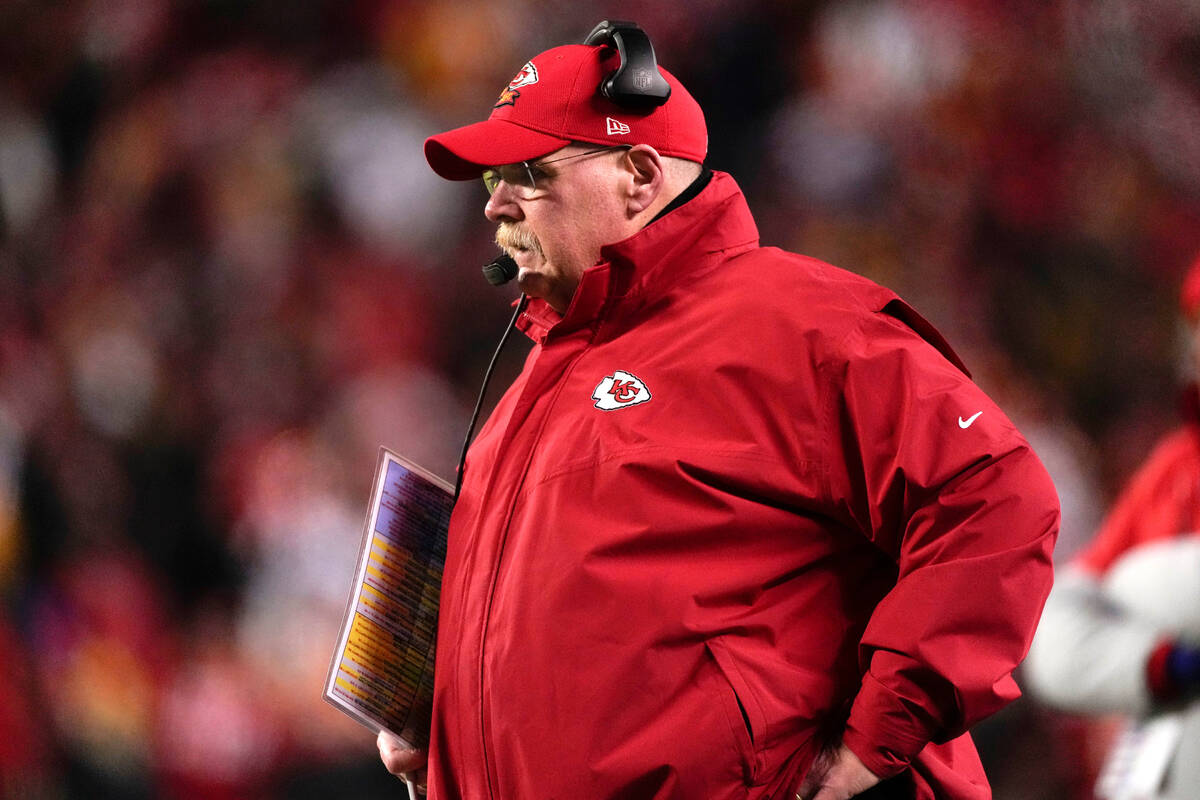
(382, 668)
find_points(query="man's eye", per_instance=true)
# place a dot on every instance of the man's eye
(538, 173)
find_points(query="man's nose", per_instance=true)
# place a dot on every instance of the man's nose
(502, 206)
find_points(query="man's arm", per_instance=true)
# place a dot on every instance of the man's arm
(937, 477)
(1088, 655)
(1120, 629)
(1124, 642)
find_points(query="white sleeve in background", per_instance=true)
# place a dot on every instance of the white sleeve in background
(1090, 651)
(1159, 585)
(1089, 655)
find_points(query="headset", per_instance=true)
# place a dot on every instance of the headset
(636, 85)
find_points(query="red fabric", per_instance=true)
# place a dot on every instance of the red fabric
(1161, 501)
(805, 516)
(1189, 292)
(553, 101)
(24, 740)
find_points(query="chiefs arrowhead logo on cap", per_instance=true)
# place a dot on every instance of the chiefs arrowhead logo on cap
(527, 75)
(619, 390)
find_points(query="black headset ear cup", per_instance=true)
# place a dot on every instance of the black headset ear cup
(636, 84)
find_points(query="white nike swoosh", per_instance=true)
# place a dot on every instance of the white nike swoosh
(969, 421)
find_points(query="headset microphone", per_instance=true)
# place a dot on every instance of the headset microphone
(500, 271)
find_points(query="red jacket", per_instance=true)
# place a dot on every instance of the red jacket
(737, 502)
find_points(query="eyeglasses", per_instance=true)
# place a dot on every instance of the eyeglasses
(523, 176)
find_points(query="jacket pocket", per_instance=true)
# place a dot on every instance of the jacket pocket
(743, 723)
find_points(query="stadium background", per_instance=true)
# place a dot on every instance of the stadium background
(227, 276)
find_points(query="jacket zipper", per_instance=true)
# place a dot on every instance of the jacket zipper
(506, 527)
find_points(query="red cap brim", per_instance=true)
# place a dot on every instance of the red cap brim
(463, 153)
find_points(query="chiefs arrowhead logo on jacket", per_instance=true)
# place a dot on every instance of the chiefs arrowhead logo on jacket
(619, 390)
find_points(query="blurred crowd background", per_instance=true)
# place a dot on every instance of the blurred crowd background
(227, 276)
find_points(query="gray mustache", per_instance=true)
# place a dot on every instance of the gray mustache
(512, 237)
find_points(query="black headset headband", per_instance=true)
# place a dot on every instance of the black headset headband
(637, 83)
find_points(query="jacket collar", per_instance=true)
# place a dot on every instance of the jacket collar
(687, 240)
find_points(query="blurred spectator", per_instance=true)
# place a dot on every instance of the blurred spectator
(1121, 630)
(27, 768)
(101, 649)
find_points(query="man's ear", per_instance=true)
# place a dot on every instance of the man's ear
(645, 179)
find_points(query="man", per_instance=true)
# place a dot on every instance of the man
(743, 527)
(1121, 633)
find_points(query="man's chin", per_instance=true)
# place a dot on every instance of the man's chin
(534, 283)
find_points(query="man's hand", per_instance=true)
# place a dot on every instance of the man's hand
(402, 761)
(838, 775)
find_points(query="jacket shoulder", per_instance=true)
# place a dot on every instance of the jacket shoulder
(829, 302)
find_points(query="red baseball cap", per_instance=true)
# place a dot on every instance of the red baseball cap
(555, 100)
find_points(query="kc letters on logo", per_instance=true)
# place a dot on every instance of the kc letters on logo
(619, 390)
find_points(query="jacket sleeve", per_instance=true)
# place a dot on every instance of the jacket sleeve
(937, 477)
(1127, 596)
(1089, 655)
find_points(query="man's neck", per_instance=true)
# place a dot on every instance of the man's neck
(694, 188)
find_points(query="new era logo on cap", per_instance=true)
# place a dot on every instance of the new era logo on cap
(615, 127)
